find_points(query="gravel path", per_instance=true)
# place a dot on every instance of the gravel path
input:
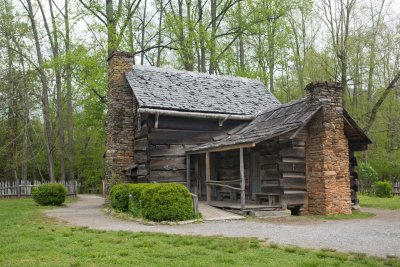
(378, 236)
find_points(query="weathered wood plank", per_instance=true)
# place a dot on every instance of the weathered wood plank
(141, 144)
(268, 146)
(160, 176)
(269, 167)
(188, 172)
(292, 167)
(167, 136)
(293, 160)
(274, 182)
(293, 175)
(167, 163)
(208, 177)
(272, 189)
(294, 183)
(295, 197)
(166, 150)
(268, 159)
(296, 152)
(269, 173)
(242, 181)
(299, 143)
(229, 174)
(182, 123)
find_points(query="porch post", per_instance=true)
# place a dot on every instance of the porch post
(242, 181)
(188, 172)
(197, 175)
(208, 177)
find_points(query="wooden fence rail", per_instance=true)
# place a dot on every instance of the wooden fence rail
(9, 189)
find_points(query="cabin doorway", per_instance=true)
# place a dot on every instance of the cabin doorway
(255, 179)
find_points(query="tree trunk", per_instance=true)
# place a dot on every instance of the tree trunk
(48, 136)
(213, 40)
(112, 41)
(271, 53)
(60, 116)
(393, 84)
(202, 37)
(241, 42)
(68, 85)
(143, 33)
(159, 40)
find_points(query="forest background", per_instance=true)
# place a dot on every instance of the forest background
(53, 69)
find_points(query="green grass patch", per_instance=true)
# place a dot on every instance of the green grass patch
(355, 215)
(392, 203)
(29, 238)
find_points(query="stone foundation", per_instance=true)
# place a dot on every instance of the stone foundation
(327, 156)
(121, 117)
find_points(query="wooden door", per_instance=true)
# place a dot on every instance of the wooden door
(255, 181)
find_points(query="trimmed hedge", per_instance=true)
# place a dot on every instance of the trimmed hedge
(135, 198)
(119, 197)
(156, 202)
(167, 202)
(124, 195)
(49, 194)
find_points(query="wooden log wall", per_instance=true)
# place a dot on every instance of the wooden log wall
(293, 170)
(161, 150)
(269, 166)
(228, 165)
(141, 156)
(228, 168)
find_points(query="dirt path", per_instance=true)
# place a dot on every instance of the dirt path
(379, 236)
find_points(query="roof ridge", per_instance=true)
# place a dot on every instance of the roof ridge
(195, 73)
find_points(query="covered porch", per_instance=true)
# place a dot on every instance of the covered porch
(236, 178)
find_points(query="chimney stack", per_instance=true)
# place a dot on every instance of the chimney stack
(120, 121)
(327, 154)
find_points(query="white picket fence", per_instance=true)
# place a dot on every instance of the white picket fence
(24, 189)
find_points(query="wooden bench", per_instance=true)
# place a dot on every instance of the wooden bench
(232, 195)
(273, 199)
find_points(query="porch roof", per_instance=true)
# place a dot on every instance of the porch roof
(268, 124)
(273, 122)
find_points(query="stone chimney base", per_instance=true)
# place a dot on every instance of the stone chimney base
(327, 154)
(121, 117)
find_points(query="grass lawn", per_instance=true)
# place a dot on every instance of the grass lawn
(28, 238)
(392, 203)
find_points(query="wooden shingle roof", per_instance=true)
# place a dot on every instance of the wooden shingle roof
(165, 89)
(268, 124)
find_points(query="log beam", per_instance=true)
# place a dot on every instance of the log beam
(242, 181)
(208, 177)
(188, 172)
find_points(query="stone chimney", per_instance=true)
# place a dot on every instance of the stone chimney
(327, 154)
(121, 106)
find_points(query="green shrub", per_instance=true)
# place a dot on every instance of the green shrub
(367, 173)
(383, 189)
(167, 202)
(124, 195)
(119, 197)
(49, 194)
(135, 198)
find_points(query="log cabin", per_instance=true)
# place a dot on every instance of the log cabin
(230, 141)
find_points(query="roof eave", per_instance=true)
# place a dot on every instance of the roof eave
(196, 114)
(221, 148)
